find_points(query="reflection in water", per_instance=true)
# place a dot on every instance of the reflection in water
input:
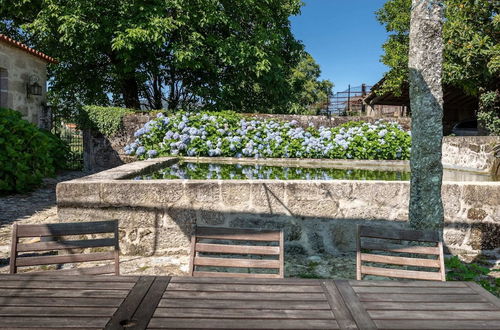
(215, 171)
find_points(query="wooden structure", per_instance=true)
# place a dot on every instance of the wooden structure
(457, 106)
(389, 241)
(243, 255)
(73, 248)
(132, 302)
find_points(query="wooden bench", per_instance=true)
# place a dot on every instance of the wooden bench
(388, 242)
(218, 244)
(58, 230)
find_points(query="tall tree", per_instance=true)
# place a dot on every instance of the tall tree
(311, 94)
(426, 98)
(152, 53)
(471, 34)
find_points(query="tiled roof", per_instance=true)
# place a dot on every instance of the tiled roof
(17, 44)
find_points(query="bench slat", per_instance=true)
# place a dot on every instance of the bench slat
(399, 234)
(66, 229)
(395, 260)
(237, 249)
(383, 246)
(65, 245)
(97, 270)
(63, 259)
(240, 263)
(237, 234)
(400, 273)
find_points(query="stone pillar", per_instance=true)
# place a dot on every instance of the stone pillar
(426, 99)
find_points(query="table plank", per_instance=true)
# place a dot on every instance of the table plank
(354, 305)
(339, 309)
(147, 308)
(432, 306)
(56, 311)
(63, 293)
(200, 323)
(422, 298)
(394, 283)
(411, 290)
(244, 296)
(436, 325)
(234, 280)
(246, 304)
(50, 284)
(51, 301)
(233, 313)
(245, 287)
(434, 315)
(66, 278)
(52, 322)
(130, 304)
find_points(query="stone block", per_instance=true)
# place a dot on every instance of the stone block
(182, 217)
(454, 234)
(269, 197)
(326, 208)
(127, 217)
(203, 192)
(306, 191)
(484, 236)
(291, 227)
(141, 194)
(80, 194)
(210, 218)
(344, 235)
(235, 195)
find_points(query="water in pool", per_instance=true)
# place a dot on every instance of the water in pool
(224, 171)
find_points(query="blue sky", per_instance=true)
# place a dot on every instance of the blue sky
(345, 38)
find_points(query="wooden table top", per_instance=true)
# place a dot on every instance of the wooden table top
(149, 302)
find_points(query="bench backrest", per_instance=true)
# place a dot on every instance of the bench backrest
(39, 253)
(391, 252)
(218, 249)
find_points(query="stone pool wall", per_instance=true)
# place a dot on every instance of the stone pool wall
(157, 217)
(479, 153)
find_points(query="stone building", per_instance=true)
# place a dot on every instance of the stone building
(23, 80)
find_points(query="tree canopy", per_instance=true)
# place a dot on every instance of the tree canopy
(471, 36)
(220, 54)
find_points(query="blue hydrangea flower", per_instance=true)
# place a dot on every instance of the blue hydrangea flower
(140, 151)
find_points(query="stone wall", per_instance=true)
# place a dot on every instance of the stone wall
(157, 217)
(472, 153)
(16, 68)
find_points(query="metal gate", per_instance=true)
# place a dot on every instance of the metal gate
(73, 136)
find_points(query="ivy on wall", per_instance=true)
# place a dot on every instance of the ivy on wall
(107, 120)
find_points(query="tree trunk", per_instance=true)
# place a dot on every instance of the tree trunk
(426, 99)
(130, 91)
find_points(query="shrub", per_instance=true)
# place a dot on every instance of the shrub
(461, 271)
(106, 120)
(228, 134)
(489, 112)
(28, 154)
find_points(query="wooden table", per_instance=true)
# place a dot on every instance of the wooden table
(131, 302)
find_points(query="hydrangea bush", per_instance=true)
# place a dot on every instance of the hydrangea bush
(227, 134)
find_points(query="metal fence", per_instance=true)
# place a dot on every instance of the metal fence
(349, 102)
(73, 136)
